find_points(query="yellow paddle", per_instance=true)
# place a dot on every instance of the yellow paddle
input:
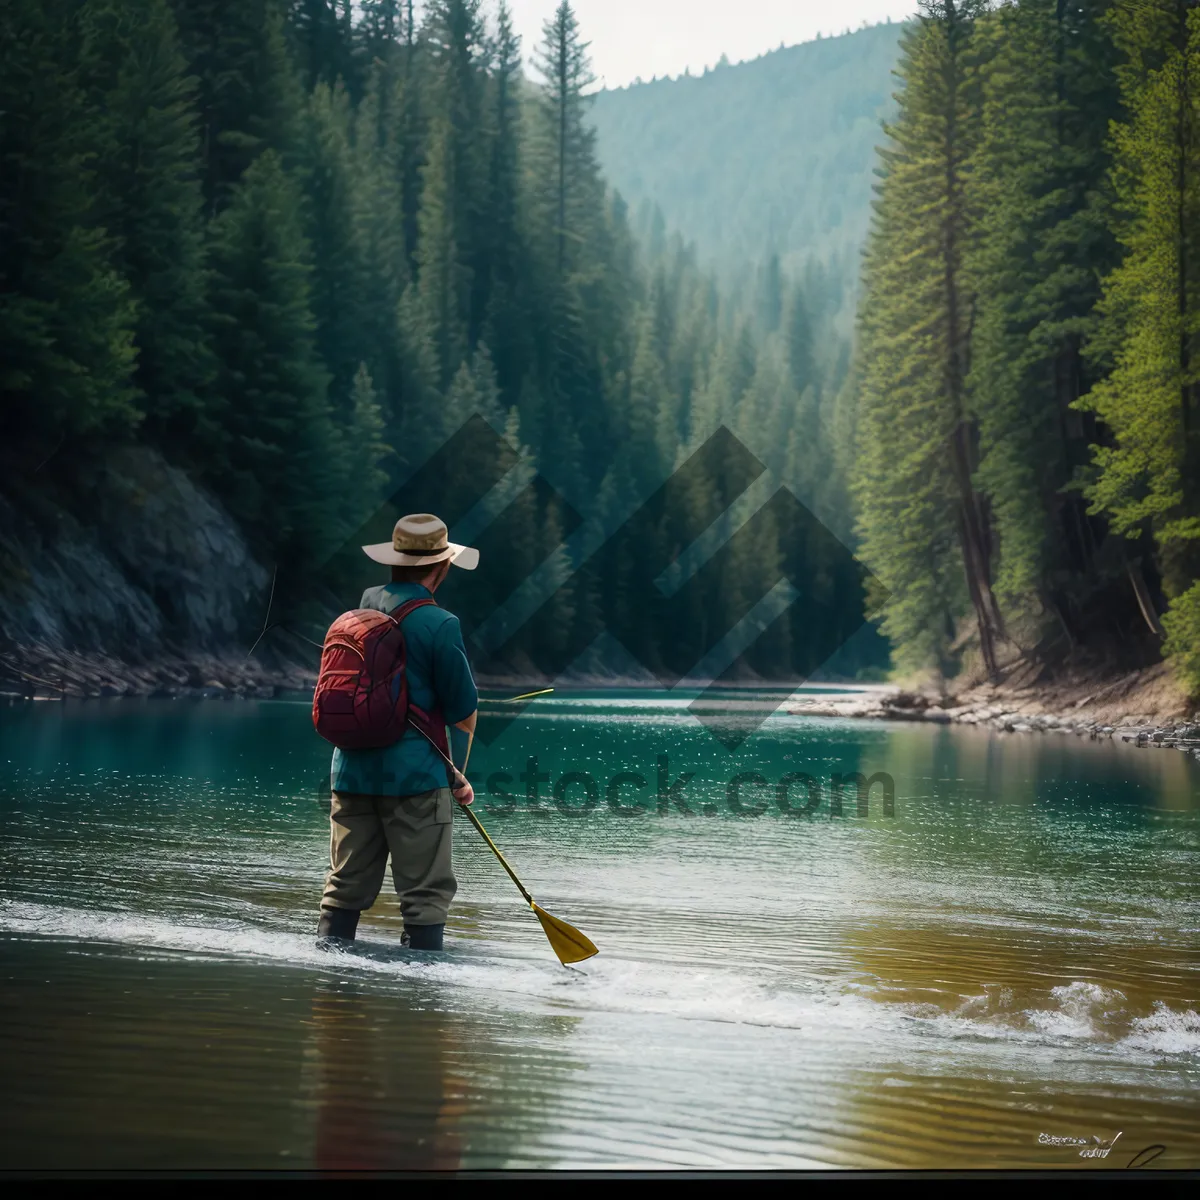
(566, 941)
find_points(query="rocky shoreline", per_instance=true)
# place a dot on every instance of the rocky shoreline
(1141, 708)
(41, 673)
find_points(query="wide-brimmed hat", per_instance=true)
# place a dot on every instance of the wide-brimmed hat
(421, 540)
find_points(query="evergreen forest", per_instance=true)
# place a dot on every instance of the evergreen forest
(295, 245)
(1026, 414)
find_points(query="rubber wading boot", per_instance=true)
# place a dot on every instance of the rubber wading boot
(337, 924)
(423, 937)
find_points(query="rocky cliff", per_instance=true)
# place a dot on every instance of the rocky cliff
(137, 582)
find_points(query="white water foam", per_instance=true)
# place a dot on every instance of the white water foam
(603, 985)
(1165, 1031)
(1079, 1013)
(1080, 1010)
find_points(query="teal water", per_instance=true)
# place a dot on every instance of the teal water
(1011, 956)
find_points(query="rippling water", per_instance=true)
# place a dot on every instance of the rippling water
(1011, 956)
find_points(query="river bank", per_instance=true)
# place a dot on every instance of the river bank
(40, 672)
(44, 673)
(1144, 707)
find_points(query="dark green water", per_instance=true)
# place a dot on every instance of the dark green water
(1014, 952)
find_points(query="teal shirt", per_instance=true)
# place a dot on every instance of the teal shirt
(438, 673)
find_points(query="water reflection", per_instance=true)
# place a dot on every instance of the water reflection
(387, 1091)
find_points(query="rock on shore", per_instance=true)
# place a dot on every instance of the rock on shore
(1142, 707)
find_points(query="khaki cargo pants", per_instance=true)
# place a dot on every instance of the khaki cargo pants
(414, 830)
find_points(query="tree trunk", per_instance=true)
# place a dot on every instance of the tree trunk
(562, 149)
(973, 537)
(1183, 145)
(975, 561)
(1142, 592)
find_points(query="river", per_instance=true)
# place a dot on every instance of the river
(1001, 971)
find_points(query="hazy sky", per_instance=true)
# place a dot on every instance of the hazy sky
(661, 37)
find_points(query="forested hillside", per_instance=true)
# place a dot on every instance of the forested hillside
(1027, 452)
(267, 256)
(771, 156)
(290, 247)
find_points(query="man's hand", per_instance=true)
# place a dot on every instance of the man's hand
(464, 793)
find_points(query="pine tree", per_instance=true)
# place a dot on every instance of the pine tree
(366, 451)
(412, 127)
(381, 219)
(458, 60)
(769, 301)
(506, 325)
(1147, 477)
(569, 190)
(1040, 182)
(148, 198)
(1151, 306)
(566, 233)
(250, 97)
(651, 421)
(443, 282)
(919, 509)
(341, 284)
(692, 343)
(798, 335)
(66, 316)
(473, 391)
(382, 26)
(732, 373)
(279, 464)
(322, 37)
(392, 123)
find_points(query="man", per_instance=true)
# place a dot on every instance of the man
(398, 800)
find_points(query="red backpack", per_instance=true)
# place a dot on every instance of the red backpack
(361, 701)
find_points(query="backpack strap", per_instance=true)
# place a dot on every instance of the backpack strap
(432, 722)
(398, 614)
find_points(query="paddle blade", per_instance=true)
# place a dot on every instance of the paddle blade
(566, 941)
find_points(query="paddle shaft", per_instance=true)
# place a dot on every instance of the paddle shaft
(474, 819)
